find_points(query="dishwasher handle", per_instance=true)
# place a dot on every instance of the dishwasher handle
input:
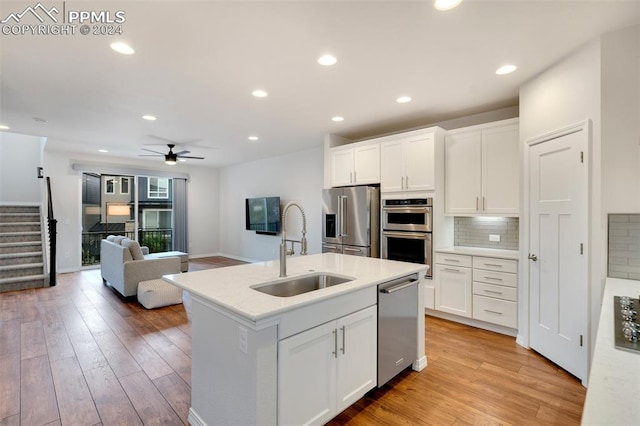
(399, 286)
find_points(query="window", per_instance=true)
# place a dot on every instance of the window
(156, 219)
(124, 185)
(110, 185)
(158, 187)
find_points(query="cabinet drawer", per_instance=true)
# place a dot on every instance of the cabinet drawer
(498, 278)
(497, 291)
(496, 311)
(453, 259)
(495, 264)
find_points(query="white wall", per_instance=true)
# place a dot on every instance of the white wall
(202, 199)
(20, 155)
(294, 177)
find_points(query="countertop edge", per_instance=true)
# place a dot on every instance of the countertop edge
(480, 251)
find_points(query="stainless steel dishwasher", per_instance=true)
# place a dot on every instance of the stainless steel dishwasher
(397, 326)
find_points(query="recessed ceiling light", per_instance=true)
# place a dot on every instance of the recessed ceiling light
(446, 4)
(253, 138)
(3, 127)
(337, 118)
(259, 93)
(149, 117)
(123, 48)
(102, 150)
(506, 69)
(327, 60)
(403, 99)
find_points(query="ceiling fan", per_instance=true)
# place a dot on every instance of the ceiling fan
(170, 157)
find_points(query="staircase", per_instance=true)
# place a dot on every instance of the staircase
(22, 261)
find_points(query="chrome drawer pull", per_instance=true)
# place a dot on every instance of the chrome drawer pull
(452, 260)
(335, 343)
(492, 292)
(493, 312)
(452, 270)
(492, 278)
(493, 264)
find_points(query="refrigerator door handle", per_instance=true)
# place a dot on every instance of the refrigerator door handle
(343, 215)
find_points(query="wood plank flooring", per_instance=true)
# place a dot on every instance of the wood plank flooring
(78, 354)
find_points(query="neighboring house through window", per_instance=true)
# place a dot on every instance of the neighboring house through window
(157, 219)
(125, 184)
(158, 187)
(110, 185)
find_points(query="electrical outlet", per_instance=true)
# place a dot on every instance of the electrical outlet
(242, 339)
(494, 238)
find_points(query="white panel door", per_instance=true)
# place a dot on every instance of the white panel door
(366, 164)
(454, 290)
(357, 356)
(392, 166)
(307, 376)
(419, 163)
(463, 173)
(341, 167)
(500, 170)
(558, 272)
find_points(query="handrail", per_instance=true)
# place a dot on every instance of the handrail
(52, 236)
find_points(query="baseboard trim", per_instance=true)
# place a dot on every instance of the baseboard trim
(194, 419)
(472, 322)
(420, 364)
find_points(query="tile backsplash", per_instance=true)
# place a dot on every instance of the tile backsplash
(624, 246)
(475, 231)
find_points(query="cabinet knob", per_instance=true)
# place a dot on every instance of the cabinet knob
(533, 257)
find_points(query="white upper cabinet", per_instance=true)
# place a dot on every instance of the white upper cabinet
(358, 164)
(482, 170)
(407, 163)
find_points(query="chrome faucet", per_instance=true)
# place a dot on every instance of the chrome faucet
(283, 245)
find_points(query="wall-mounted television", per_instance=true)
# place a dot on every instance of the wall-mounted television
(263, 215)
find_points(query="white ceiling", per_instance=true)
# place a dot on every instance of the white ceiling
(197, 62)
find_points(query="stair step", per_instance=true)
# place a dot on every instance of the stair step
(20, 224)
(20, 243)
(21, 266)
(24, 282)
(21, 254)
(21, 233)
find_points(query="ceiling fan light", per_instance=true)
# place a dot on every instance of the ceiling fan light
(446, 4)
(170, 159)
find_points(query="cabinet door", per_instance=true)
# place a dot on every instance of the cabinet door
(500, 170)
(419, 163)
(454, 290)
(392, 166)
(341, 167)
(463, 173)
(357, 356)
(307, 376)
(366, 164)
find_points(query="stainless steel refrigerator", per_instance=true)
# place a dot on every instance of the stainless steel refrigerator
(351, 221)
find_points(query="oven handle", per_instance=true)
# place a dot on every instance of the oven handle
(407, 235)
(405, 209)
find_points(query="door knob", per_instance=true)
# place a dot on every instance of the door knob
(533, 257)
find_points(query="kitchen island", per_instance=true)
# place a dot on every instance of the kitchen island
(255, 355)
(614, 380)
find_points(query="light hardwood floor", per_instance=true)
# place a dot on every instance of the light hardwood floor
(77, 354)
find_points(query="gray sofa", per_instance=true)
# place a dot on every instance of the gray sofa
(124, 264)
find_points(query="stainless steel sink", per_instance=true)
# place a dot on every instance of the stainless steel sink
(298, 285)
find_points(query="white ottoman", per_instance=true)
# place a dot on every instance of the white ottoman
(157, 293)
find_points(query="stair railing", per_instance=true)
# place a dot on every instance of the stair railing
(52, 222)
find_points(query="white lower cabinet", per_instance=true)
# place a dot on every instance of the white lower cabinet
(323, 370)
(453, 284)
(478, 287)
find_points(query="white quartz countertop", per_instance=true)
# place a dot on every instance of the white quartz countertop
(230, 287)
(480, 251)
(613, 392)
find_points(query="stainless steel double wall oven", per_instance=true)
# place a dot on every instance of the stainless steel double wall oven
(406, 230)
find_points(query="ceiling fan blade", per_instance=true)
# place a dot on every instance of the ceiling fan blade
(194, 158)
(165, 140)
(182, 152)
(155, 152)
(151, 155)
